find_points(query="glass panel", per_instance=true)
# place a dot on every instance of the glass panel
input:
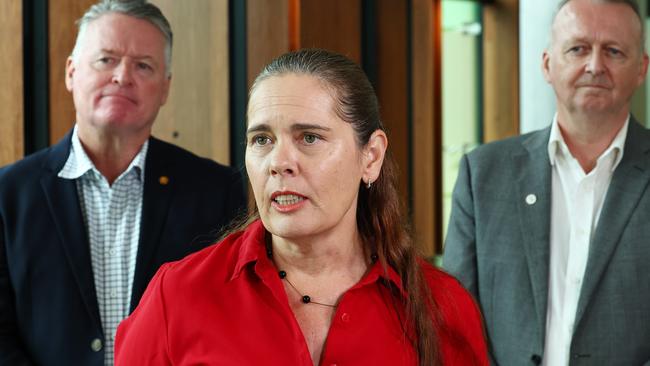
(461, 89)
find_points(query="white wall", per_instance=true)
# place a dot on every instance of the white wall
(536, 96)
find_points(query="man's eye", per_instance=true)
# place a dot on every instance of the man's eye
(144, 66)
(614, 51)
(576, 49)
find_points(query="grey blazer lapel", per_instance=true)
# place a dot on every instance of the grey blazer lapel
(533, 189)
(629, 182)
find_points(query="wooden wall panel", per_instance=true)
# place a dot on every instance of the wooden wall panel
(11, 82)
(427, 122)
(197, 115)
(332, 24)
(392, 82)
(500, 69)
(62, 15)
(267, 27)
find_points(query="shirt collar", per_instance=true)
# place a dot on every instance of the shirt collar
(253, 250)
(557, 145)
(79, 163)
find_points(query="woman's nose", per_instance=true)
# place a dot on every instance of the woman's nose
(283, 159)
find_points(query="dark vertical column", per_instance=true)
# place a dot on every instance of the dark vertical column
(238, 83)
(35, 26)
(369, 40)
(409, 104)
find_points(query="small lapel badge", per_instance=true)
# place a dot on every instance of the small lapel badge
(163, 180)
(531, 199)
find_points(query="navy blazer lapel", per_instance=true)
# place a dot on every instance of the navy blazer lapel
(159, 185)
(533, 194)
(629, 182)
(63, 203)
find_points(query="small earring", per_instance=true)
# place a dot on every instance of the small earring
(369, 184)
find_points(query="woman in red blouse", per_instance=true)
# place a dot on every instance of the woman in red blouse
(328, 274)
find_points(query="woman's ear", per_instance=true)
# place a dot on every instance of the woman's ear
(373, 155)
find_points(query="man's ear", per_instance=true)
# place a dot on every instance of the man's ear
(546, 67)
(166, 86)
(69, 73)
(643, 70)
(373, 155)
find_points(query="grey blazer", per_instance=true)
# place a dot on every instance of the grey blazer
(498, 247)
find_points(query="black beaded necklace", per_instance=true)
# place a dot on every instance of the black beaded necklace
(306, 299)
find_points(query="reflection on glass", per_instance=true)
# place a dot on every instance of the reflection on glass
(461, 89)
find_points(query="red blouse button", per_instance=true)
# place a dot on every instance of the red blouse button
(345, 318)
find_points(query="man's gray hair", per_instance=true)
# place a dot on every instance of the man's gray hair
(631, 3)
(140, 9)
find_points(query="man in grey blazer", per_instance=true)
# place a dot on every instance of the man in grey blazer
(551, 230)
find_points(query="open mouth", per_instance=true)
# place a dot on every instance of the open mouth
(288, 199)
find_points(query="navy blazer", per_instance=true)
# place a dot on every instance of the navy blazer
(48, 307)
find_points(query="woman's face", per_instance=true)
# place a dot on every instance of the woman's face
(303, 161)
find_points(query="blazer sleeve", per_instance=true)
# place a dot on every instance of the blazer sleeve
(141, 339)
(12, 350)
(459, 258)
(237, 195)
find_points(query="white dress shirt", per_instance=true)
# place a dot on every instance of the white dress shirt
(112, 219)
(577, 200)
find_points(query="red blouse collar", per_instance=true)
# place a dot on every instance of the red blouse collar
(253, 250)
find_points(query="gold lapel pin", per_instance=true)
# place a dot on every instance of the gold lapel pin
(163, 180)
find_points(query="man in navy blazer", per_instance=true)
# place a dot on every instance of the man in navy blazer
(550, 230)
(74, 259)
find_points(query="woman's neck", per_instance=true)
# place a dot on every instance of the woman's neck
(318, 257)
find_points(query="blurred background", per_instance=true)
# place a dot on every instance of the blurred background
(450, 75)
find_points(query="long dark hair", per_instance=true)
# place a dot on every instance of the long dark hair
(379, 213)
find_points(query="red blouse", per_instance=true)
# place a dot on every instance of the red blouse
(226, 305)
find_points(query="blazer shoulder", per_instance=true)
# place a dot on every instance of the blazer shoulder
(48, 159)
(512, 145)
(213, 263)
(24, 170)
(186, 161)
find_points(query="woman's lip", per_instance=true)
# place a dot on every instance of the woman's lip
(290, 204)
(275, 194)
(290, 207)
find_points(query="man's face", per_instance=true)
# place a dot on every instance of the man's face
(595, 61)
(117, 77)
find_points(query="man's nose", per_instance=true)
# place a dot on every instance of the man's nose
(122, 74)
(595, 63)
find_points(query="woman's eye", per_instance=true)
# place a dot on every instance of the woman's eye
(310, 138)
(261, 140)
